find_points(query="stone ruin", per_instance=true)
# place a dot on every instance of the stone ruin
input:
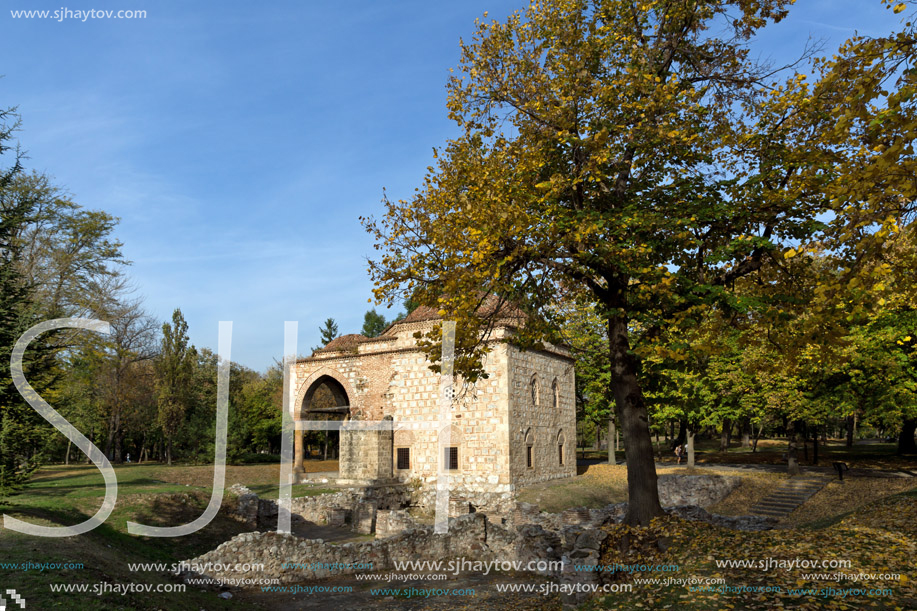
(523, 534)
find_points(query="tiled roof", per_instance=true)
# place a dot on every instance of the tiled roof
(425, 313)
(344, 342)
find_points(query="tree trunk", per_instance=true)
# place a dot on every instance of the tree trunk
(691, 449)
(119, 436)
(746, 432)
(906, 443)
(754, 445)
(642, 492)
(815, 445)
(792, 461)
(67, 457)
(612, 434)
(724, 436)
(805, 440)
(682, 433)
(143, 450)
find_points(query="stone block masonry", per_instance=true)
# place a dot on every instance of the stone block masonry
(513, 428)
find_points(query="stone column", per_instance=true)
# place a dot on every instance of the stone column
(297, 456)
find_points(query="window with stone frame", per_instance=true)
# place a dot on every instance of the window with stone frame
(528, 456)
(560, 454)
(534, 389)
(555, 394)
(403, 458)
(452, 458)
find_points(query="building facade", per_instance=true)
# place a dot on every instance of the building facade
(514, 428)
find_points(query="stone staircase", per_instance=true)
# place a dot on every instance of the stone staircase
(793, 493)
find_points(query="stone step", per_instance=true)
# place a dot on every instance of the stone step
(779, 503)
(790, 497)
(776, 508)
(797, 493)
(770, 513)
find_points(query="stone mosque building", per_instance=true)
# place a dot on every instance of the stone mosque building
(514, 428)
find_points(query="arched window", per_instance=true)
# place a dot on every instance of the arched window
(529, 449)
(555, 394)
(534, 389)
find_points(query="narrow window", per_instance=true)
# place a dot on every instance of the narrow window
(560, 453)
(404, 458)
(534, 389)
(452, 458)
(555, 399)
(528, 456)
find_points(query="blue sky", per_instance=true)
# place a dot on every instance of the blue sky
(240, 142)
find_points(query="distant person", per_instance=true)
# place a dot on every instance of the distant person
(128, 457)
(679, 452)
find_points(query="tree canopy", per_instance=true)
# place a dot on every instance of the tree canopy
(633, 156)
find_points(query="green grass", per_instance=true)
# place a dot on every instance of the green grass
(69, 495)
(267, 491)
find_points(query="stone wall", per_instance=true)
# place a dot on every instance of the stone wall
(490, 420)
(469, 536)
(544, 421)
(391, 522)
(699, 490)
(572, 537)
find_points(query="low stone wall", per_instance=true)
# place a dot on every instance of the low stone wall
(252, 510)
(360, 507)
(292, 559)
(698, 490)
(574, 537)
(464, 501)
(355, 506)
(390, 522)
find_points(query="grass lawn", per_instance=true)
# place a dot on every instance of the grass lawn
(150, 494)
(855, 520)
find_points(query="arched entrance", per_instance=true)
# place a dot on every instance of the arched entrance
(324, 398)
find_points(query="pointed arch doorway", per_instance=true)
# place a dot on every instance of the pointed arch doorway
(325, 396)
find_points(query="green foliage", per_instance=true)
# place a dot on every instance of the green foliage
(22, 430)
(328, 331)
(373, 323)
(174, 369)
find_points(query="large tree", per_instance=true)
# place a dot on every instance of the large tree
(629, 154)
(174, 369)
(20, 431)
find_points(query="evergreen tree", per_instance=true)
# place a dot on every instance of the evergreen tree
(21, 428)
(373, 323)
(328, 331)
(174, 371)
